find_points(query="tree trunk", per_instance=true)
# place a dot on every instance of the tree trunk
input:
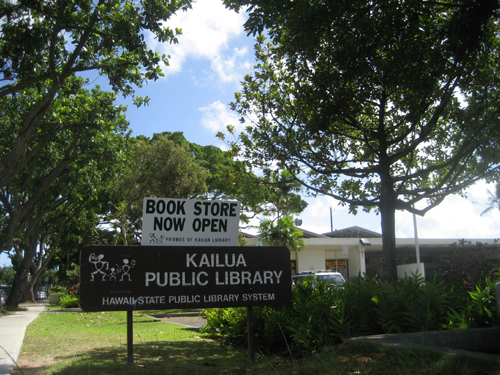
(123, 229)
(388, 221)
(388, 199)
(42, 267)
(20, 287)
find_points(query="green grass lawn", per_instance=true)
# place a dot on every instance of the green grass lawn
(96, 343)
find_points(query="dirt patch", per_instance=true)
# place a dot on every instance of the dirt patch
(32, 365)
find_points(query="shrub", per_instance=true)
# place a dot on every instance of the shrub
(412, 305)
(301, 327)
(69, 301)
(324, 317)
(356, 306)
(468, 265)
(312, 322)
(226, 325)
(479, 309)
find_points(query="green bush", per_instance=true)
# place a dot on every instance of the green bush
(226, 325)
(323, 317)
(69, 301)
(356, 305)
(302, 327)
(412, 305)
(311, 322)
(478, 310)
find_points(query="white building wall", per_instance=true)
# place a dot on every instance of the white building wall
(357, 263)
(310, 259)
(410, 269)
(319, 249)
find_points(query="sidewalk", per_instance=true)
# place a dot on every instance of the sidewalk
(12, 329)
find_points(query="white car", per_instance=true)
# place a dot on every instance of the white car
(41, 295)
(3, 298)
(333, 279)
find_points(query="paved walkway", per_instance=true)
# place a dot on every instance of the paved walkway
(12, 329)
(187, 321)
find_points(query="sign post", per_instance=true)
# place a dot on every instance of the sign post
(118, 278)
(188, 259)
(250, 336)
(122, 278)
(130, 338)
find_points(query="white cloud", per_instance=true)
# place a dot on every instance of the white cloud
(316, 217)
(479, 194)
(207, 30)
(319, 208)
(455, 217)
(229, 69)
(216, 116)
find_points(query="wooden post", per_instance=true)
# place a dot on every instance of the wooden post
(251, 336)
(130, 338)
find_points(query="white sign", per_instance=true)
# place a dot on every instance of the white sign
(189, 222)
(345, 251)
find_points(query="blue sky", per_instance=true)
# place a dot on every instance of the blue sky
(206, 67)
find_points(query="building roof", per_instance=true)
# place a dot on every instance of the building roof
(306, 234)
(309, 234)
(351, 236)
(248, 235)
(353, 232)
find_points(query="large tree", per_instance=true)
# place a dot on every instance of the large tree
(154, 168)
(231, 178)
(67, 141)
(386, 104)
(43, 44)
(283, 194)
(71, 161)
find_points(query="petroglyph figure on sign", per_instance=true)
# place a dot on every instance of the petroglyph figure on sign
(126, 268)
(114, 272)
(99, 264)
(155, 240)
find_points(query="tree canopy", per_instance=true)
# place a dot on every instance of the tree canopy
(282, 232)
(59, 141)
(43, 45)
(231, 178)
(155, 167)
(70, 163)
(493, 200)
(386, 104)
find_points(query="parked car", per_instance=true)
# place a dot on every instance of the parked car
(333, 279)
(41, 295)
(3, 298)
(4, 290)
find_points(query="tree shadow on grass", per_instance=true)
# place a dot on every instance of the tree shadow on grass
(154, 357)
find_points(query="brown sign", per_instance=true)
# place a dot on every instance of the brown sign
(121, 278)
(331, 264)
